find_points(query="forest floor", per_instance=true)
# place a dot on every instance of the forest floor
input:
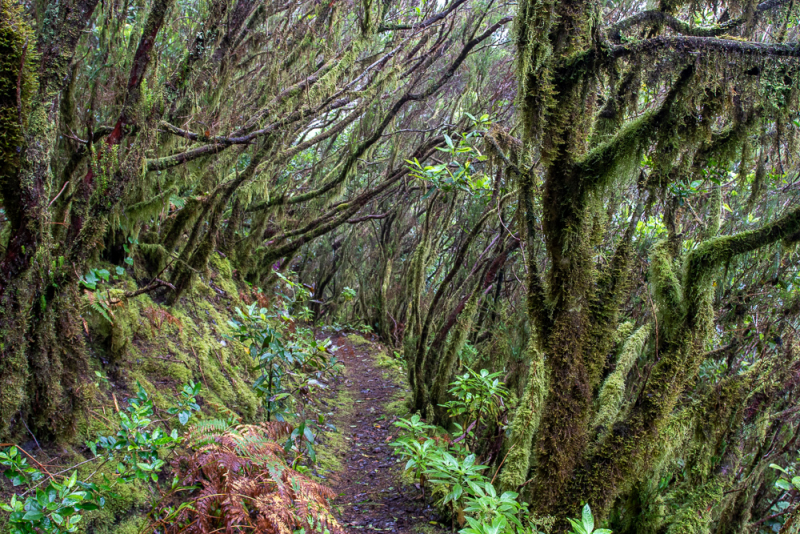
(361, 468)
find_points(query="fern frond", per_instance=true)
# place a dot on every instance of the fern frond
(158, 316)
(246, 485)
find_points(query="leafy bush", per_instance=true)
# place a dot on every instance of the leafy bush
(54, 504)
(136, 446)
(243, 476)
(489, 513)
(50, 507)
(586, 524)
(475, 396)
(288, 358)
(452, 473)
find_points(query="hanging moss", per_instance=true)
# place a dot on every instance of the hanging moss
(186, 216)
(447, 360)
(667, 290)
(526, 421)
(150, 209)
(712, 253)
(613, 391)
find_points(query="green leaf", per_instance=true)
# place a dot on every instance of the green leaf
(33, 515)
(588, 520)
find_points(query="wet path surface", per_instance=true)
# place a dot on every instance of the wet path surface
(372, 496)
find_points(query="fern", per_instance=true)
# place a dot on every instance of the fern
(158, 316)
(244, 484)
(231, 416)
(99, 305)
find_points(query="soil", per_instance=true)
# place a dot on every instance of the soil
(371, 495)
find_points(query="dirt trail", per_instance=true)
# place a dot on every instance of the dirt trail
(371, 496)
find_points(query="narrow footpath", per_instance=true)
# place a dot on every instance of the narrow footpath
(362, 468)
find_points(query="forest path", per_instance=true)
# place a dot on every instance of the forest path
(367, 477)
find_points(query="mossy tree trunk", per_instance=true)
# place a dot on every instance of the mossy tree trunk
(574, 306)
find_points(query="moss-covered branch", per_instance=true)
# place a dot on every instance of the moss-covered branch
(654, 18)
(712, 253)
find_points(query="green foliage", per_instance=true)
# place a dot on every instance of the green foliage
(450, 470)
(460, 486)
(348, 294)
(490, 513)
(51, 507)
(458, 172)
(187, 403)
(56, 504)
(138, 445)
(476, 395)
(287, 361)
(586, 523)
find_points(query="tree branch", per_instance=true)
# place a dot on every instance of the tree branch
(654, 17)
(698, 45)
(424, 24)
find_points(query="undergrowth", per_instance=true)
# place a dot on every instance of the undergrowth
(186, 463)
(444, 464)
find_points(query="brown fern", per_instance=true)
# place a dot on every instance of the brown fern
(254, 296)
(158, 316)
(244, 484)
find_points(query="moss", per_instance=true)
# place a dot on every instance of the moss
(668, 291)
(694, 515)
(383, 320)
(398, 407)
(357, 340)
(221, 265)
(613, 390)
(333, 444)
(122, 513)
(526, 422)
(426, 528)
(447, 361)
(17, 48)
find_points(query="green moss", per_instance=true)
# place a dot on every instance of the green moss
(526, 422)
(334, 445)
(613, 390)
(447, 361)
(17, 47)
(123, 513)
(221, 265)
(358, 341)
(425, 528)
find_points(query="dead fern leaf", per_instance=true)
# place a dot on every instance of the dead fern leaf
(158, 316)
(245, 484)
